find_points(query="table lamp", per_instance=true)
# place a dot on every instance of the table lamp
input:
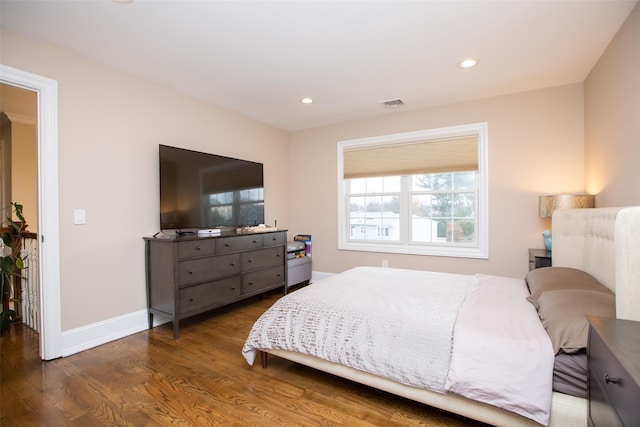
(548, 204)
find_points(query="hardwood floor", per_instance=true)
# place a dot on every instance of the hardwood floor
(148, 379)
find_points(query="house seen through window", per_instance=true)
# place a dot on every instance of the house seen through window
(420, 193)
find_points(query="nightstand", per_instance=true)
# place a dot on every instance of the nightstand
(614, 372)
(539, 258)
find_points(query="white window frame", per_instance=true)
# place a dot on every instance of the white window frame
(479, 250)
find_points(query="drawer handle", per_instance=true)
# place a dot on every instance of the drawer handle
(611, 380)
(250, 283)
(233, 264)
(250, 260)
(190, 272)
(197, 248)
(255, 241)
(190, 299)
(227, 245)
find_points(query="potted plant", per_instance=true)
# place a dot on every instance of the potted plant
(11, 263)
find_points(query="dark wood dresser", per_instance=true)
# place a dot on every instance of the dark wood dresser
(190, 275)
(614, 372)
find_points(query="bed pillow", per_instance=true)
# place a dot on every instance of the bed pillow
(563, 314)
(546, 279)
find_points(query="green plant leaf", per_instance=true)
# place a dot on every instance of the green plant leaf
(7, 239)
(6, 263)
(18, 209)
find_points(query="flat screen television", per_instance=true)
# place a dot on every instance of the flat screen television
(205, 191)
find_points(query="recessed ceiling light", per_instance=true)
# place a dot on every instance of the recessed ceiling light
(306, 101)
(468, 63)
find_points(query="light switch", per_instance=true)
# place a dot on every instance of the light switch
(79, 216)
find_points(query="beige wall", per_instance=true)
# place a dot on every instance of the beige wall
(18, 102)
(535, 147)
(110, 125)
(24, 171)
(20, 107)
(612, 119)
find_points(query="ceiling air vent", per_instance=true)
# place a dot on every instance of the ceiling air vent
(392, 103)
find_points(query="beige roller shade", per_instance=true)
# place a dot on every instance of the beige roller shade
(449, 155)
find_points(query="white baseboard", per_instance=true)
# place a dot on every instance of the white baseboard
(89, 336)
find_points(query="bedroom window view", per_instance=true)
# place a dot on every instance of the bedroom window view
(418, 193)
(441, 207)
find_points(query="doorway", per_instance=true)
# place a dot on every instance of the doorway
(46, 91)
(18, 183)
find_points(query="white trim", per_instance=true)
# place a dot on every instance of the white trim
(480, 251)
(48, 222)
(89, 336)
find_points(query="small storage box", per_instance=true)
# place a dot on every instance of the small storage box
(298, 270)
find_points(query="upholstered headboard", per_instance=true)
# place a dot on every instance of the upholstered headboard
(604, 242)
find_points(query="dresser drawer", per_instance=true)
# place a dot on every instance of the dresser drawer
(261, 258)
(615, 384)
(601, 412)
(208, 269)
(241, 243)
(274, 239)
(202, 297)
(259, 280)
(196, 248)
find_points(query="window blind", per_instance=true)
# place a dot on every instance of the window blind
(433, 156)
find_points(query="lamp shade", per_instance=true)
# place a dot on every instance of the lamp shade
(548, 204)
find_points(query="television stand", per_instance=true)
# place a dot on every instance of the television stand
(189, 275)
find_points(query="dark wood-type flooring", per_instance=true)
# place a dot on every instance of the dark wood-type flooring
(148, 379)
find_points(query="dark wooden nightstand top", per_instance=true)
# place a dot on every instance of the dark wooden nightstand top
(539, 258)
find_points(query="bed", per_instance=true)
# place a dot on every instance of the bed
(445, 368)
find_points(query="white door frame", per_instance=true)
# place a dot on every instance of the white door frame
(48, 221)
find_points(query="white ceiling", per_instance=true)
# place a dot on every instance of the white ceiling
(260, 58)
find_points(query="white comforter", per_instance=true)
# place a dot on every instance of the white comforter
(475, 336)
(397, 324)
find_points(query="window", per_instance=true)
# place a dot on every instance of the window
(417, 193)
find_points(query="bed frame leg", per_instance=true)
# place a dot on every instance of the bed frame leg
(263, 358)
